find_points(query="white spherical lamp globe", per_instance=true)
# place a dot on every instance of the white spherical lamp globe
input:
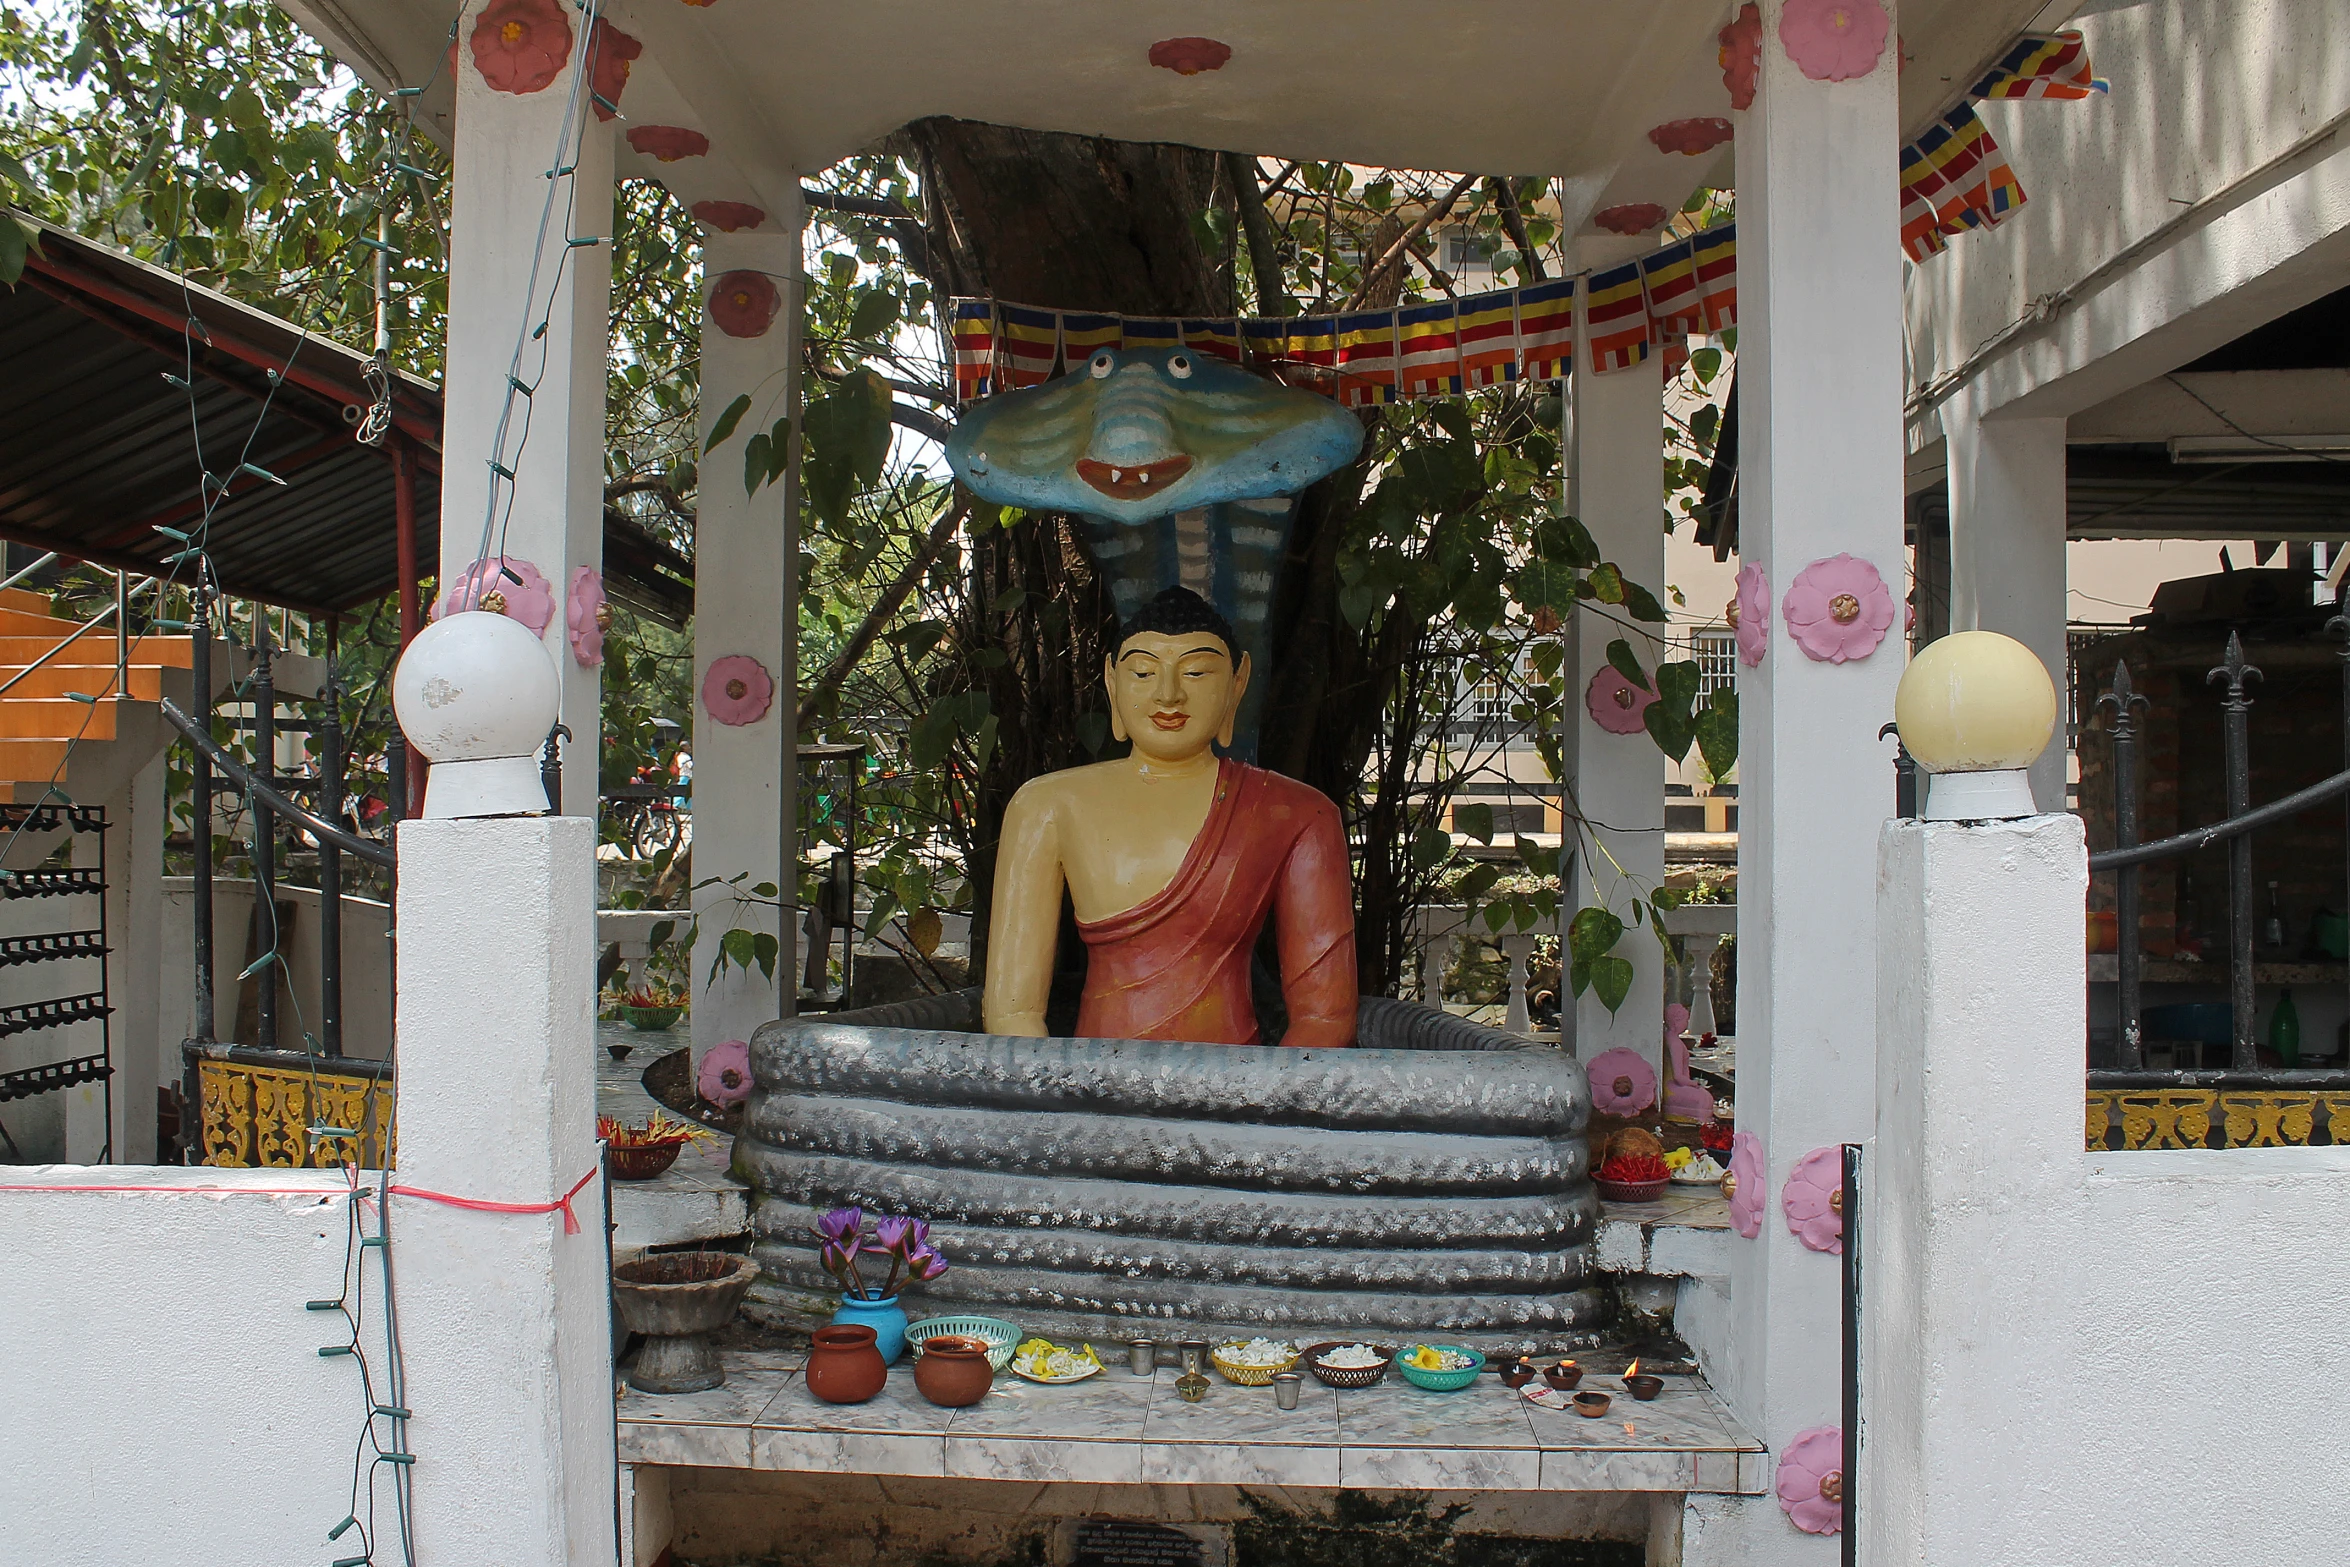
(477, 694)
(1976, 709)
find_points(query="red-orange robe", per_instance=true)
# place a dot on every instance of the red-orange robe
(1175, 966)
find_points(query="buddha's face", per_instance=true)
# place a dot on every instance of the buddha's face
(1172, 695)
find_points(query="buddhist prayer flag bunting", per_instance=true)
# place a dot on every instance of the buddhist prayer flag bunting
(1267, 342)
(1145, 334)
(1546, 329)
(1713, 258)
(1953, 178)
(1489, 339)
(1313, 341)
(1083, 334)
(1031, 342)
(2042, 65)
(1617, 309)
(1219, 338)
(1428, 343)
(1367, 368)
(974, 338)
(1674, 303)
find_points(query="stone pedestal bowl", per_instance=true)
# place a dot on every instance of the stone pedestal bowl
(677, 1299)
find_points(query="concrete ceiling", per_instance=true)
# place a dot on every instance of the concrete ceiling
(1570, 88)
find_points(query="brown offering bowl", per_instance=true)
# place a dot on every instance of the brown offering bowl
(1644, 1387)
(1346, 1376)
(1566, 1376)
(1517, 1373)
(1591, 1405)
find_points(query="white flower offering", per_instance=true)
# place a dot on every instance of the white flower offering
(1351, 1357)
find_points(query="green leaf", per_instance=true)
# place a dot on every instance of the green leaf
(660, 933)
(1670, 727)
(727, 421)
(1619, 654)
(12, 249)
(1607, 583)
(1643, 604)
(877, 311)
(1591, 933)
(1677, 683)
(1611, 977)
(764, 949)
(778, 448)
(1566, 539)
(1430, 847)
(756, 463)
(1706, 362)
(1717, 733)
(1477, 883)
(1474, 821)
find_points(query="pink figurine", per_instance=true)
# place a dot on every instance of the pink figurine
(1685, 1098)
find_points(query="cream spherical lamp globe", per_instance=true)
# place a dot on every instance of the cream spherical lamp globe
(477, 694)
(1975, 709)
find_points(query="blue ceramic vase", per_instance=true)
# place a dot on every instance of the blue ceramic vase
(885, 1317)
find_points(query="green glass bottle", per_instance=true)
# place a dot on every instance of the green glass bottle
(2284, 1029)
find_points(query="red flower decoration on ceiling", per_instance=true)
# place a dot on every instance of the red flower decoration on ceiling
(609, 52)
(520, 46)
(1834, 40)
(744, 303)
(729, 216)
(1692, 136)
(1190, 56)
(668, 142)
(1637, 217)
(1741, 56)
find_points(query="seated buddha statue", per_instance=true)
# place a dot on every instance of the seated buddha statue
(1174, 857)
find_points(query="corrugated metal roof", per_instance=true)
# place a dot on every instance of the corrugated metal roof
(98, 448)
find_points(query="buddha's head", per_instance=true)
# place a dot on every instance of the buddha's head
(1177, 678)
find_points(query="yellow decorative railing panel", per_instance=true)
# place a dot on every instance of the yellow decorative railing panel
(2187, 1117)
(262, 1115)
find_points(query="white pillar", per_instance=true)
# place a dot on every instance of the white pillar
(1616, 487)
(504, 1322)
(1820, 459)
(136, 827)
(746, 775)
(2007, 565)
(505, 277)
(1971, 1210)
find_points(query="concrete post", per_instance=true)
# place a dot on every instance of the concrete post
(1820, 461)
(136, 828)
(505, 277)
(503, 1317)
(745, 775)
(1972, 1173)
(1616, 486)
(2007, 522)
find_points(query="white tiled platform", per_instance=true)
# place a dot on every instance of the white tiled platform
(1121, 1429)
(695, 1199)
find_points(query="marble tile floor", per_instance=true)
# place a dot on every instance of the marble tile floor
(1120, 1429)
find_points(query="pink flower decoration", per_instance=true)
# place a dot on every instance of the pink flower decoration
(737, 689)
(1741, 55)
(483, 585)
(1834, 40)
(609, 52)
(669, 143)
(588, 615)
(743, 304)
(1813, 1199)
(520, 46)
(1621, 1082)
(1190, 56)
(1747, 1175)
(728, 217)
(1691, 137)
(724, 1078)
(1811, 1480)
(1637, 217)
(1615, 703)
(1838, 609)
(1750, 615)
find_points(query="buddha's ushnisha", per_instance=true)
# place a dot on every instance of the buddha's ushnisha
(1174, 857)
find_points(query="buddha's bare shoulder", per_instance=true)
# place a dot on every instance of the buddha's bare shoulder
(1047, 792)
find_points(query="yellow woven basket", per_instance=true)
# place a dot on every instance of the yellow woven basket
(1249, 1376)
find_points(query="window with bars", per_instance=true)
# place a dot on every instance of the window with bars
(1716, 656)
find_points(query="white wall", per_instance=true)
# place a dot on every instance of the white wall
(2074, 1357)
(162, 1399)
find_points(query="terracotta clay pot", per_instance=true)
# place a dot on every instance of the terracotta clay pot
(953, 1370)
(844, 1367)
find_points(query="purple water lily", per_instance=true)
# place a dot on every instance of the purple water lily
(903, 1240)
(841, 1224)
(890, 1234)
(924, 1264)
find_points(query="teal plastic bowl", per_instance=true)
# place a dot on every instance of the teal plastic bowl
(1001, 1337)
(1439, 1381)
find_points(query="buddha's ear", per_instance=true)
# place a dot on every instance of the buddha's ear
(1232, 713)
(1110, 684)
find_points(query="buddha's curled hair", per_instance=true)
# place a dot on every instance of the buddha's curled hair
(1179, 612)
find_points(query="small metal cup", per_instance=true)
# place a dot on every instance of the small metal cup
(1285, 1386)
(1195, 1356)
(1191, 1387)
(1142, 1355)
